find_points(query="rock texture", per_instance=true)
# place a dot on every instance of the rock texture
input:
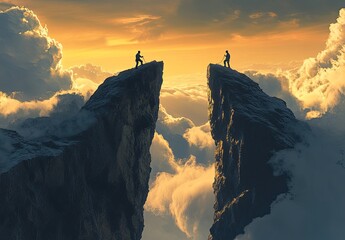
(88, 178)
(248, 127)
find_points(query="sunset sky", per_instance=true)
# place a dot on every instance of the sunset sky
(187, 34)
(294, 49)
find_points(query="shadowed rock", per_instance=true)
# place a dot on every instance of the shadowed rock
(248, 127)
(87, 177)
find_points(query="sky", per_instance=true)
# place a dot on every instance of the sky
(55, 53)
(186, 34)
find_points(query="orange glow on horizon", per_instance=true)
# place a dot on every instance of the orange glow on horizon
(114, 43)
(191, 54)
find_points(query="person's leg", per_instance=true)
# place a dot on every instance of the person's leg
(227, 62)
(136, 66)
(224, 63)
(141, 62)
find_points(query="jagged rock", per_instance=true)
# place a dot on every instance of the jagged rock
(248, 127)
(87, 177)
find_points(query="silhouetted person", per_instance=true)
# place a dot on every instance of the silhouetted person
(227, 58)
(138, 59)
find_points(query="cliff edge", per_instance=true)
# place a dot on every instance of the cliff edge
(248, 127)
(87, 177)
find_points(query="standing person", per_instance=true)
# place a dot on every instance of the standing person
(227, 58)
(138, 59)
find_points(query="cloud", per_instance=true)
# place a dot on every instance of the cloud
(180, 188)
(67, 105)
(316, 87)
(114, 24)
(319, 83)
(215, 16)
(63, 119)
(32, 80)
(177, 125)
(13, 111)
(200, 136)
(315, 205)
(184, 195)
(258, 15)
(277, 85)
(143, 27)
(162, 157)
(184, 137)
(172, 129)
(30, 61)
(161, 227)
(91, 72)
(186, 101)
(57, 116)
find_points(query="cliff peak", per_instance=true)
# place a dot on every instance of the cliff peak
(86, 177)
(125, 84)
(248, 126)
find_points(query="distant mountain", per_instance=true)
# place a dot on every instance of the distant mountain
(87, 177)
(248, 127)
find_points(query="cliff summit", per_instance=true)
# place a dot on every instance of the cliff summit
(87, 177)
(248, 127)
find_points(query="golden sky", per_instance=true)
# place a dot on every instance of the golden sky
(186, 34)
(262, 35)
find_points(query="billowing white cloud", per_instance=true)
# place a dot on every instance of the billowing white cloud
(319, 83)
(162, 157)
(185, 138)
(277, 85)
(316, 87)
(177, 125)
(314, 208)
(30, 61)
(180, 189)
(200, 136)
(186, 195)
(32, 79)
(186, 101)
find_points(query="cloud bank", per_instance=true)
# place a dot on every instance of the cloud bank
(316, 87)
(30, 61)
(33, 82)
(320, 81)
(151, 19)
(91, 72)
(186, 101)
(314, 207)
(180, 187)
(185, 193)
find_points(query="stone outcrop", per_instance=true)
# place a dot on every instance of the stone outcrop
(87, 177)
(248, 127)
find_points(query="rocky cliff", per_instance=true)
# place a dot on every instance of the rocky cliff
(248, 127)
(86, 178)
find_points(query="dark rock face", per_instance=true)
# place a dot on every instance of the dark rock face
(248, 126)
(90, 183)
